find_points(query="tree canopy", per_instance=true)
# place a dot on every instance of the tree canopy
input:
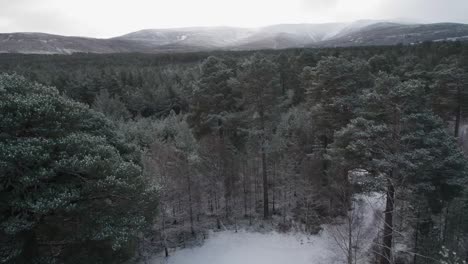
(71, 189)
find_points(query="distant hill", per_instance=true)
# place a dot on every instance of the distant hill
(393, 33)
(359, 33)
(54, 44)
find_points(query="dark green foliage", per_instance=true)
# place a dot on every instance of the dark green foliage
(260, 83)
(71, 189)
(111, 107)
(291, 125)
(215, 99)
(397, 138)
(451, 90)
(332, 87)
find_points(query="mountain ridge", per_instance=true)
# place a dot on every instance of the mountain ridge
(279, 36)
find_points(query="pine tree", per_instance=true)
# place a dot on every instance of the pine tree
(112, 107)
(71, 190)
(215, 102)
(214, 99)
(259, 80)
(397, 138)
(175, 133)
(451, 92)
(333, 87)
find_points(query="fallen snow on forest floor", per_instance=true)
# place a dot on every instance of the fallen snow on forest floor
(244, 247)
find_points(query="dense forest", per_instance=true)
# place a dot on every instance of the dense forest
(105, 157)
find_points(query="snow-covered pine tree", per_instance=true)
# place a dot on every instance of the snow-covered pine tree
(71, 189)
(398, 139)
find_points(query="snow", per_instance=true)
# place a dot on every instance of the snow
(243, 247)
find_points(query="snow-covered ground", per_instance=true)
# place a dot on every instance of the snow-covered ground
(229, 247)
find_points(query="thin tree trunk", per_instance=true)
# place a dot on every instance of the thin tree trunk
(386, 257)
(324, 180)
(189, 189)
(266, 212)
(458, 113)
(457, 120)
(226, 175)
(273, 189)
(256, 176)
(416, 237)
(284, 205)
(163, 221)
(244, 187)
(350, 239)
(210, 203)
(445, 223)
(251, 201)
(179, 204)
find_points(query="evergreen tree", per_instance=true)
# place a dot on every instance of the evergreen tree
(71, 190)
(260, 83)
(215, 102)
(451, 92)
(333, 87)
(397, 138)
(214, 99)
(112, 107)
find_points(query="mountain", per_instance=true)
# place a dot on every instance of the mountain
(358, 33)
(214, 37)
(385, 33)
(297, 35)
(41, 43)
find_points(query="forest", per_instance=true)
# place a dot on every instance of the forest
(106, 157)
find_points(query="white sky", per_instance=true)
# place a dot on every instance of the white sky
(108, 18)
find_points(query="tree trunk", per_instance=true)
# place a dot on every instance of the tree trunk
(216, 202)
(273, 189)
(416, 237)
(252, 172)
(256, 183)
(163, 221)
(324, 179)
(266, 212)
(226, 175)
(458, 113)
(284, 205)
(189, 189)
(244, 187)
(457, 121)
(386, 257)
(350, 239)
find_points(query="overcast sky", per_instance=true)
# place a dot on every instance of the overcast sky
(108, 18)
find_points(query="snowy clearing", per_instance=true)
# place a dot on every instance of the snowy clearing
(229, 247)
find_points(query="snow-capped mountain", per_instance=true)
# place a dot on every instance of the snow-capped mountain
(201, 36)
(363, 32)
(387, 33)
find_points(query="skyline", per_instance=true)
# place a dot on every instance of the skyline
(107, 18)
